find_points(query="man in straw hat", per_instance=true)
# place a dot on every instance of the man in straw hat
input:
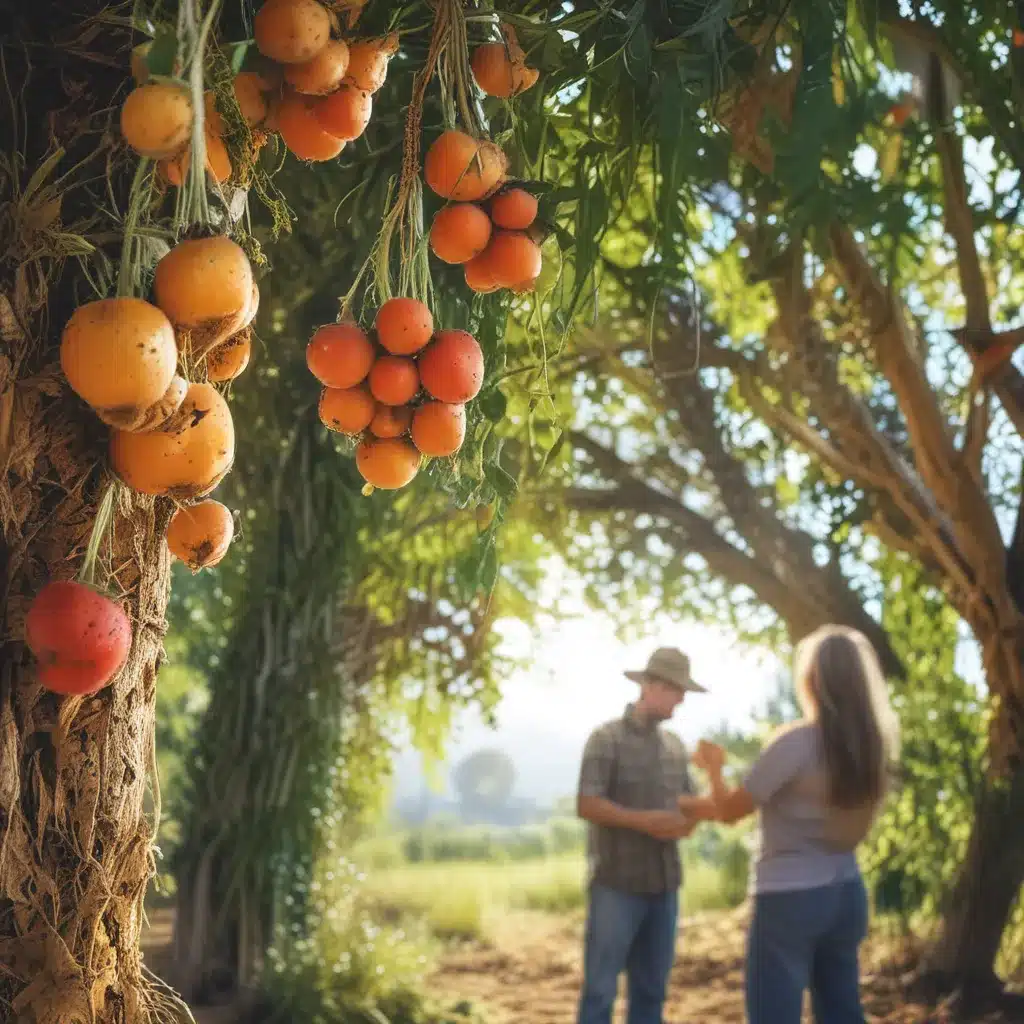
(632, 774)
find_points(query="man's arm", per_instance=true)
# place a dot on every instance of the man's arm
(593, 802)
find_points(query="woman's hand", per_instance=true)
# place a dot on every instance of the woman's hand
(696, 808)
(709, 757)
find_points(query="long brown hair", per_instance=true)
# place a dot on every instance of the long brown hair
(839, 672)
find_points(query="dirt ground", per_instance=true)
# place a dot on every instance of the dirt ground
(528, 973)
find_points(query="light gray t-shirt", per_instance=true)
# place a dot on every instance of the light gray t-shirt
(804, 843)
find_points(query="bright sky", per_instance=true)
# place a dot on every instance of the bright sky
(573, 681)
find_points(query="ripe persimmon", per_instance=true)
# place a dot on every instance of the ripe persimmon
(321, 75)
(200, 534)
(515, 259)
(457, 166)
(403, 326)
(345, 113)
(187, 457)
(394, 380)
(459, 232)
(347, 410)
(387, 462)
(250, 93)
(514, 209)
(156, 119)
(80, 638)
(501, 71)
(479, 276)
(390, 420)
(452, 367)
(340, 355)
(302, 132)
(230, 358)
(203, 281)
(291, 31)
(438, 429)
(368, 61)
(119, 355)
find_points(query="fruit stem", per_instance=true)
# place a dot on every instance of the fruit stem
(129, 272)
(101, 527)
(198, 205)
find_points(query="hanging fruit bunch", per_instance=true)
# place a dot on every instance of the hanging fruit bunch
(326, 83)
(488, 228)
(400, 388)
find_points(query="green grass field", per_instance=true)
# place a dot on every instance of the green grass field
(466, 899)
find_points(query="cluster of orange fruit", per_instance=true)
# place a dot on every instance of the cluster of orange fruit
(148, 370)
(487, 228)
(316, 92)
(402, 388)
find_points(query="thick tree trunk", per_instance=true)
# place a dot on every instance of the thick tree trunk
(986, 887)
(75, 844)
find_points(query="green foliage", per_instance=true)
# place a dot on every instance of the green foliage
(343, 967)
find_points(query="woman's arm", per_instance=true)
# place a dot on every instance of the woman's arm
(724, 804)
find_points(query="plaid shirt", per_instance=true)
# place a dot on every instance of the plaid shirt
(641, 767)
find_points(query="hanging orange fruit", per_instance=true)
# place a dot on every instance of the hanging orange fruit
(368, 61)
(394, 380)
(200, 535)
(345, 113)
(387, 462)
(120, 356)
(250, 94)
(501, 71)
(515, 259)
(390, 420)
(403, 326)
(347, 410)
(452, 367)
(340, 355)
(459, 232)
(439, 429)
(291, 31)
(302, 132)
(457, 166)
(230, 358)
(479, 276)
(321, 75)
(156, 119)
(514, 209)
(187, 457)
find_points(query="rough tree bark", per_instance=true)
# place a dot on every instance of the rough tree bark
(75, 844)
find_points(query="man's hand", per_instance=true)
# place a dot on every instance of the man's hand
(667, 826)
(709, 757)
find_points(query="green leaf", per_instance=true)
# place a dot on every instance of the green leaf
(238, 55)
(493, 404)
(163, 54)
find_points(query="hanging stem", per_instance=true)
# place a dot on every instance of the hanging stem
(101, 527)
(197, 205)
(128, 273)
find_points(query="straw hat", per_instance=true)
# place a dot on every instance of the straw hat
(668, 665)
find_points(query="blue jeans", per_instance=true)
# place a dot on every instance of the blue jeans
(807, 939)
(635, 934)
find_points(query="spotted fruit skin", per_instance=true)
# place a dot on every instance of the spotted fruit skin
(79, 637)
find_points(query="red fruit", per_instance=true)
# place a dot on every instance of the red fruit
(340, 355)
(403, 326)
(394, 380)
(452, 367)
(80, 637)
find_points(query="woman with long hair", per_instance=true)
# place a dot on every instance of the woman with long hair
(817, 786)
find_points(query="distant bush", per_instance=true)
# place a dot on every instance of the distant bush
(439, 844)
